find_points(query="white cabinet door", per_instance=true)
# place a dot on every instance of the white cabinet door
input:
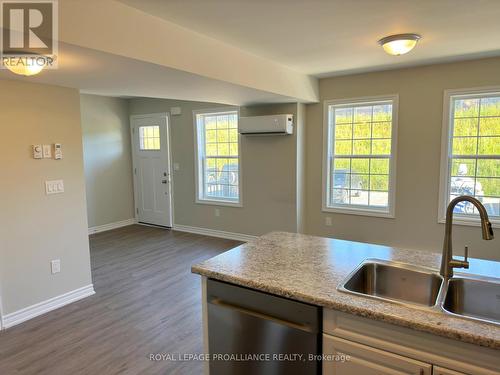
(444, 371)
(367, 360)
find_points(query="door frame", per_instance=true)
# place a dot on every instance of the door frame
(160, 115)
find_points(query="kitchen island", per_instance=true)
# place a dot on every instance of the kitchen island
(309, 269)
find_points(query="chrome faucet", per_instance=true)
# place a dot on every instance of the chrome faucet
(447, 261)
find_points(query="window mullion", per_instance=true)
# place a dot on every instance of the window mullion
(370, 160)
(473, 157)
(202, 135)
(349, 191)
(477, 146)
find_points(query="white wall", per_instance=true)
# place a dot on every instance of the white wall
(418, 157)
(107, 159)
(36, 228)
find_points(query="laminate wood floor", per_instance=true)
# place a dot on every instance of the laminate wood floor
(147, 301)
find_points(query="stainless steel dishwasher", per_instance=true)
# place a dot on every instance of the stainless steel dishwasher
(254, 333)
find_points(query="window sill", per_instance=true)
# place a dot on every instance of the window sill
(214, 202)
(360, 212)
(469, 221)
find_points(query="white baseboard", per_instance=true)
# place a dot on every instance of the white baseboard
(214, 233)
(43, 307)
(118, 224)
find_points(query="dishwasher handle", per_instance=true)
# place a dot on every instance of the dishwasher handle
(244, 310)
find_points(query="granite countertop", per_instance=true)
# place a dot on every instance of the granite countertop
(309, 269)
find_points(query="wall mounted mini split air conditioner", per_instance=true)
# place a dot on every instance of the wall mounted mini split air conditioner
(266, 125)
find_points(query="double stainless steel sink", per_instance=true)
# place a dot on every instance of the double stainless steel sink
(469, 297)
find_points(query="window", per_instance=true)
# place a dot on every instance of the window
(149, 138)
(471, 153)
(359, 160)
(217, 149)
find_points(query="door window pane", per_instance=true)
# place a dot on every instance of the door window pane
(149, 138)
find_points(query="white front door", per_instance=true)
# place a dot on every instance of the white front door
(152, 176)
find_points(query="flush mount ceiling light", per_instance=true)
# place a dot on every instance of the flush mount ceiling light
(25, 65)
(24, 70)
(399, 44)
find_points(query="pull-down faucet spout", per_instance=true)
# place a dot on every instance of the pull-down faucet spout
(447, 261)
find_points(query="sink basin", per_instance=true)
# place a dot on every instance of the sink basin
(395, 282)
(474, 298)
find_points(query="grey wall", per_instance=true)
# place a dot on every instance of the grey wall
(282, 175)
(36, 228)
(107, 159)
(418, 156)
(268, 167)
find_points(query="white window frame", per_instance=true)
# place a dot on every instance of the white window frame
(446, 149)
(199, 168)
(328, 139)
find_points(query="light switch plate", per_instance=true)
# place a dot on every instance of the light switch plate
(328, 221)
(54, 187)
(176, 166)
(47, 151)
(217, 212)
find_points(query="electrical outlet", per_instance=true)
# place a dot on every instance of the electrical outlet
(55, 266)
(328, 221)
(217, 212)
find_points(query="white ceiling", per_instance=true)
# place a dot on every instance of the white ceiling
(99, 73)
(331, 37)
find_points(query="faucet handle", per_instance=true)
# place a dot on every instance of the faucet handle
(454, 263)
(465, 262)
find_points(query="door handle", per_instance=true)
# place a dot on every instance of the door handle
(163, 181)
